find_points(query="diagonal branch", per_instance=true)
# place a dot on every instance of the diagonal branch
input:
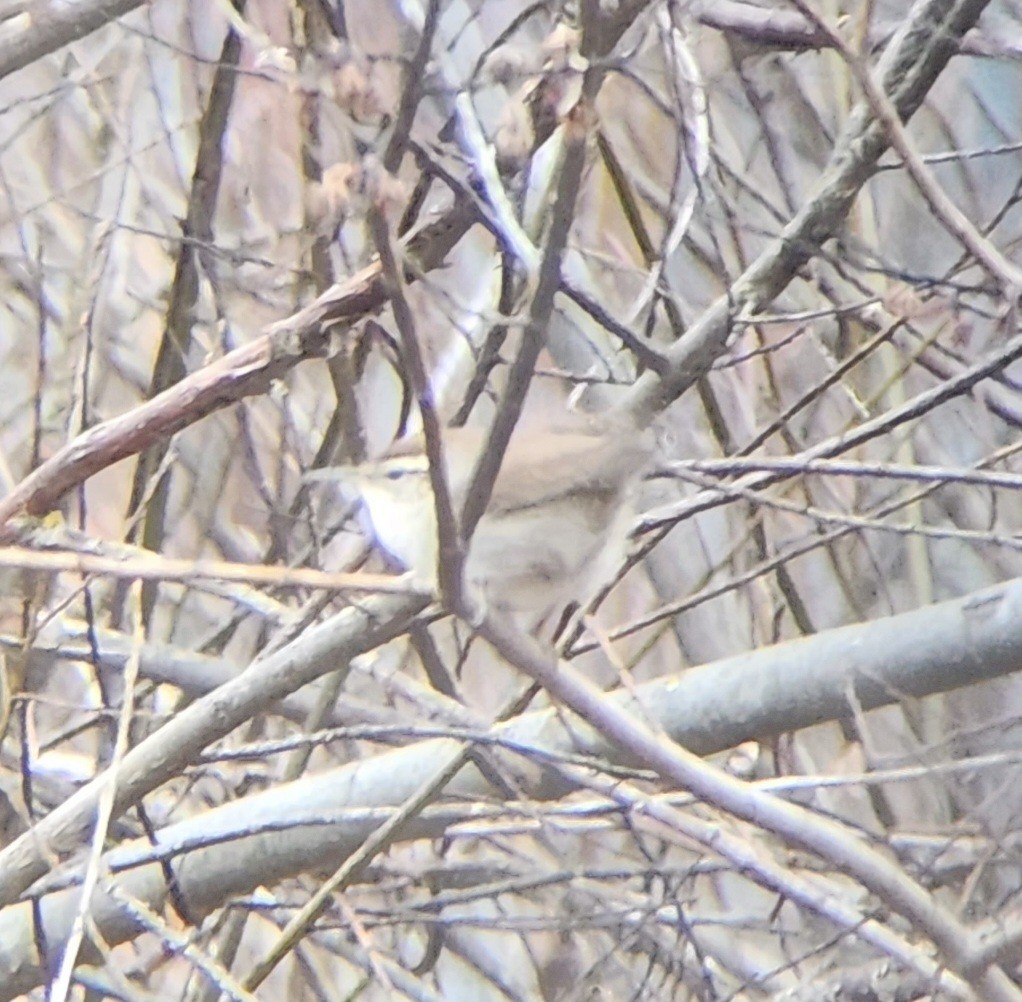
(909, 67)
(51, 24)
(244, 372)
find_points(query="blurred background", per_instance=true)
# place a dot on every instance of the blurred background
(190, 173)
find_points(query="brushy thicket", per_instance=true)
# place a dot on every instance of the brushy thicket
(827, 365)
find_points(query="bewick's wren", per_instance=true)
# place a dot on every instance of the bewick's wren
(556, 524)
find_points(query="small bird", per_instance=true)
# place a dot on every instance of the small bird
(557, 522)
